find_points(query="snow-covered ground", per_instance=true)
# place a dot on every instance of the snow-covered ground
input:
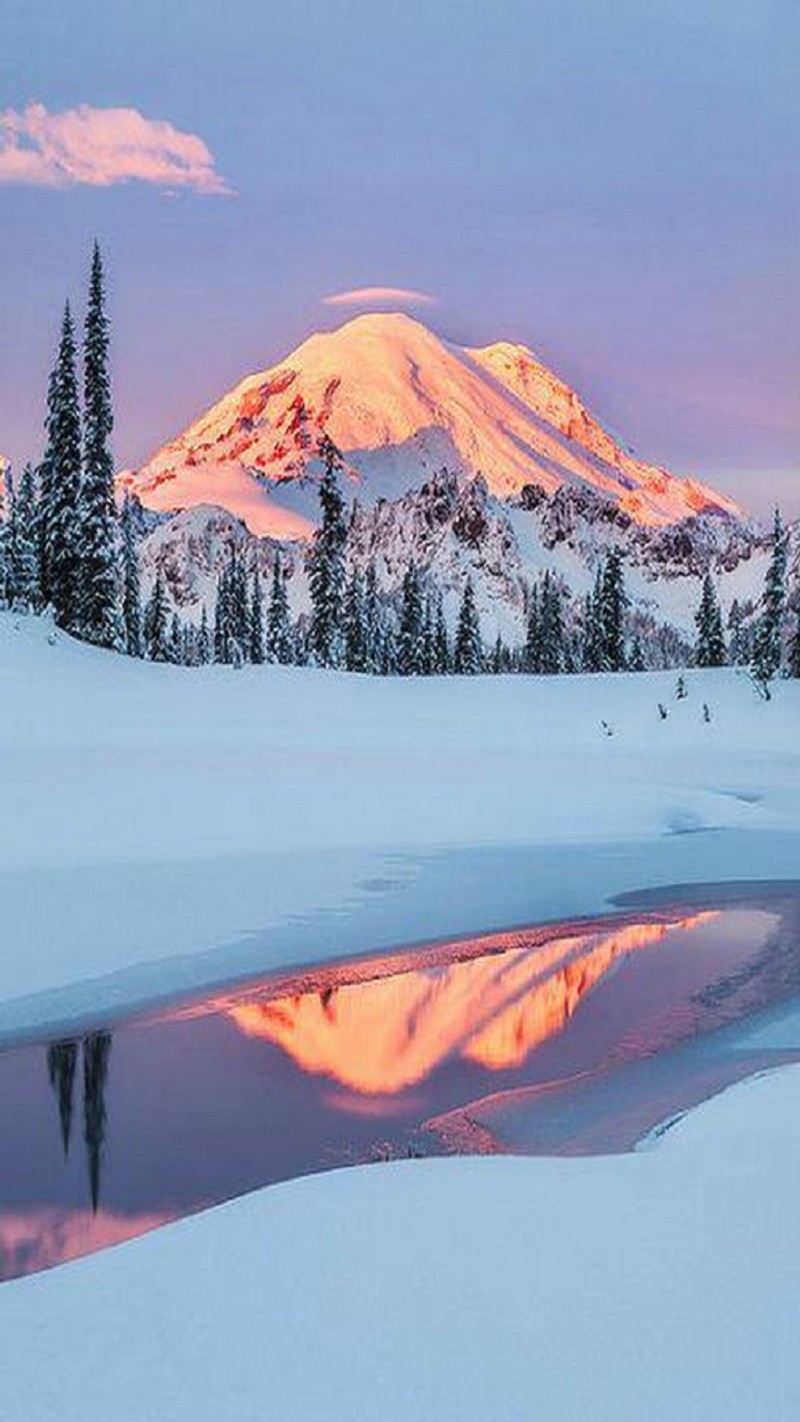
(165, 827)
(658, 1286)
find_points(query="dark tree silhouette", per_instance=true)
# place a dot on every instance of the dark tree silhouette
(62, 1059)
(96, 1052)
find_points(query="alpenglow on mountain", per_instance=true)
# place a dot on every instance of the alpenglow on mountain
(402, 404)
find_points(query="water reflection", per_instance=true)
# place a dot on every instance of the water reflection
(375, 1059)
(62, 1061)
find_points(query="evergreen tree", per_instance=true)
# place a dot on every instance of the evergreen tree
(533, 635)
(794, 645)
(613, 606)
(768, 647)
(637, 661)
(256, 629)
(498, 662)
(5, 505)
(22, 543)
(280, 646)
(592, 642)
(60, 484)
(175, 641)
(355, 630)
(203, 647)
(441, 641)
(710, 645)
(131, 585)
(326, 565)
(156, 627)
(232, 619)
(373, 620)
(99, 618)
(411, 642)
(468, 655)
(551, 626)
(739, 645)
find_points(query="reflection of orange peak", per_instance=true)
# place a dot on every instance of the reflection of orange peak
(382, 1036)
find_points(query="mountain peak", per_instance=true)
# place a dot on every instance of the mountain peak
(399, 402)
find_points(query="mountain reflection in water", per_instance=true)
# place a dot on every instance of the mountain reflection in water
(110, 1133)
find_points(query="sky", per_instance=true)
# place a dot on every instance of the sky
(612, 182)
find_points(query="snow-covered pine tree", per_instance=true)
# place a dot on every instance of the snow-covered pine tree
(131, 584)
(613, 606)
(411, 647)
(768, 642)
(468, 655)
(533, 634)
(156, 623)
(99, 612)
(441, 640)
(592, 642)
(22, 543)
(710, 646)
(60, 483)
(373, 620)
(739, 641)
(175, 641)
(280, 644)
(637, 662)
(203, 646)
(355, 630)
(257, 651)
(552, 626)
(326, 564)
(793, 664)
(232, 617)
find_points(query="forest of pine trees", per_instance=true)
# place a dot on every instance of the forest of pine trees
(67, 547)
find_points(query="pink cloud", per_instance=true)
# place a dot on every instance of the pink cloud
(369, 295)
(100, 147)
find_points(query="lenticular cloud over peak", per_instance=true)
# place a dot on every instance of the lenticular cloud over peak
(100, 147)
(380, 295)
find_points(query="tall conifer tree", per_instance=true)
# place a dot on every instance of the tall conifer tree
(131, 586)
(280, 645)
(256, 630)
(768, 643)
(710, 646)
(411, 650)
(99, 600)
(61, 483)
(468, 655)
(326, 565)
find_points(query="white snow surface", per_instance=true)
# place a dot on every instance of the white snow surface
(166, 827)
(658, 1286)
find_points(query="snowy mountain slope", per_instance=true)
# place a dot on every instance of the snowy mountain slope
(400, 402)
(454, 529)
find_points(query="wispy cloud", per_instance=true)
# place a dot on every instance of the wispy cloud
(381, 295)
(99, 147)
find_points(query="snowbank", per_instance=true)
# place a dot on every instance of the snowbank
(659, 1286)
(164, 827)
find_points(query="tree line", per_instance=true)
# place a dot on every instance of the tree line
(66, 546)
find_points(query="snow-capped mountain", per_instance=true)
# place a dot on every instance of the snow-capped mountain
(401, 403)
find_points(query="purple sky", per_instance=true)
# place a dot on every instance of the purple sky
(615, 184)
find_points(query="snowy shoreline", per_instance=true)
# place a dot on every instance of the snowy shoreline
(166, 829)
(605, 1287)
